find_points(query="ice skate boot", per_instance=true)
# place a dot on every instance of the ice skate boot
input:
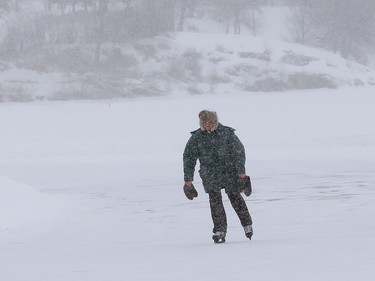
(248, 231)
(219, 237)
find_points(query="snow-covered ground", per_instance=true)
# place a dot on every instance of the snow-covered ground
(93, 190)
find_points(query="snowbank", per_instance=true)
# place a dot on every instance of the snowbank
(23, 206)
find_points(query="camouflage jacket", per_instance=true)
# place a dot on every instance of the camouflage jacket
(221, 156)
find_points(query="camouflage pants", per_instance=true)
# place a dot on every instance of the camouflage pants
(218, 214)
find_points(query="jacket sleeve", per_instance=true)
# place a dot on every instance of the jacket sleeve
(190, 158)
(238, 152)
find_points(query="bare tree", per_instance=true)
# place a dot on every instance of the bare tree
(233, 12)
(9, 5)
(185, 8)
(344, 25)
(299, 21)
(100, 14)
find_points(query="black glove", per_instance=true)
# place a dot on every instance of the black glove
(190, 191)
(244, 185)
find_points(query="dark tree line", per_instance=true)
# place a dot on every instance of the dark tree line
(85, 22)
(344, 26)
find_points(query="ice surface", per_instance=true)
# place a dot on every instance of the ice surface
(93, 191)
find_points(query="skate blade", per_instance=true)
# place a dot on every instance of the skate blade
(219, 240)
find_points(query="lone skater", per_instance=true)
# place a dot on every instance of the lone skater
(222, 166)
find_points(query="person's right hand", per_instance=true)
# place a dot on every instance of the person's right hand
(189, 183)
(189, 190)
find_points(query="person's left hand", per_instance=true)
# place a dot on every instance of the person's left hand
(244, 184)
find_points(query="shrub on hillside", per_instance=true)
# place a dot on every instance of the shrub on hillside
(14, 93)
(268, 84)
(309, 81)
(148, 51)
(187, 67)
(296, 59)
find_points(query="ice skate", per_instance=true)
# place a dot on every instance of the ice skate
(219, 237)
(248, 231)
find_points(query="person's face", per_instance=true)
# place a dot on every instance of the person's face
(208, 125)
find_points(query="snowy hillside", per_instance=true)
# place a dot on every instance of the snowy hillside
(200, 62)
(93, 190)
(193, 63)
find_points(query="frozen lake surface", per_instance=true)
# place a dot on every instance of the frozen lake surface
(93, 190)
